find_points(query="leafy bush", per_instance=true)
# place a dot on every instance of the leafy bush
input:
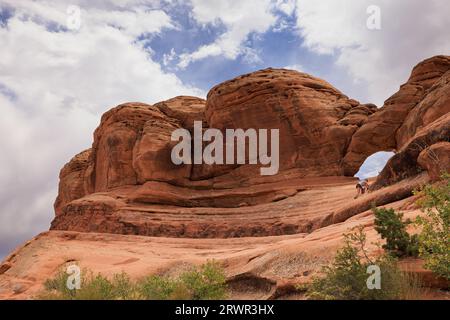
(205, 282)
(92, 287)
(392, 228)
(56, 288)
(95, 288)
(163, 288)
(434, 240)
(345, 278)
(123, 288)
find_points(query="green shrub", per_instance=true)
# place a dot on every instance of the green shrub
(392, 228)
(205, 282)
(95, 288)
(163, 288)
(345, 278)
(56, 288)
(123, 288)
(92, 287)
(434, 240)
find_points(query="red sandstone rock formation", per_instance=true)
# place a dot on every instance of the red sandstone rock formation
(316, 121)
(422, 100)
(128, 184)
(435, 159)
(74, 182)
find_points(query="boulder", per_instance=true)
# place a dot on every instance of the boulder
(315, 120)
(435, 159)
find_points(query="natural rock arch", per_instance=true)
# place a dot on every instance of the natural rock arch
(374, 164)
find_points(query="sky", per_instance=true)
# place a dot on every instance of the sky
(60, 70)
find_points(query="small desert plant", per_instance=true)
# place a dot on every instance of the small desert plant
(202, 283)
(346, 278)
(123, 288)
(93, 287)
(390, 225)
(56, 288)
(206, 282)
(434, 240)
(163, 288)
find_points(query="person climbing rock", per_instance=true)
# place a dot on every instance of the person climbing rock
(361, 187)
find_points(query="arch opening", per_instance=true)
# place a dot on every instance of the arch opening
(374, 164)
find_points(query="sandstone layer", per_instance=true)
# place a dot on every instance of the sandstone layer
(256, 267)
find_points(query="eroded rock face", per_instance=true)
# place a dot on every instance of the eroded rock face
(435, 159)
(74, 181)
(404, 163)
(435, 104)
(185, 109)
(128, 184)
(420, 101)
(427, 123)
(316, 121)
(114, 141)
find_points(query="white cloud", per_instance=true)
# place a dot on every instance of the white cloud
(296, 67)
(210, 50)
(251, 56)
(286, 6)
(133, 23)
(240, 18)
(55, 85)
(411, 30)
(169, 57)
